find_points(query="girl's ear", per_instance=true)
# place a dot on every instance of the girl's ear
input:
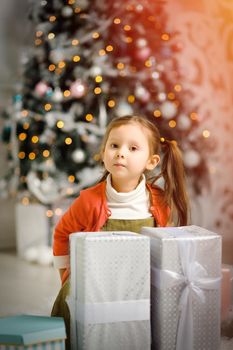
(152, 162)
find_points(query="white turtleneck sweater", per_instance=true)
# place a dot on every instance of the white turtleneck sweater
(128, 205)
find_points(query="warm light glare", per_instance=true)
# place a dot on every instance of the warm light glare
(120, 65)
(25, 200)
(98, 79)
(97, 90)
(131, 98)
(111, 103)
(102, 52)
(61, 64)
(39, 33)
(89, 117)
(35, 139)
(71, 178)
(165, 37)
(172, 123)
(24, 113)
(157, 113)
(68, 141)
(52, 67)
(75, 42)
(49, 213)
(46, 153)
(26, 126)
(58, 211)
(76, 58)
(47, 107)
(117, 20)
(52, 18)
(32, 156)
(22, 136)
(178, 87)
(171, 96)
(60, 124)
(38, 42)
(194, 116)
(21, 155)
(127, 27)
(51, 36)
(109, 48)
(95, 35)
(66, 93)
(206, 133)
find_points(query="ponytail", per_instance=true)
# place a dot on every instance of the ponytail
(172, 170)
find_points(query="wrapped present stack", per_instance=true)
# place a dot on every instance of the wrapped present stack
(110, 291)
(29, 332)
(185, 290)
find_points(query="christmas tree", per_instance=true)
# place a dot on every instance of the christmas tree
(92, 61)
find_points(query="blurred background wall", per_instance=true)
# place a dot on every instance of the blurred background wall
(206, 34)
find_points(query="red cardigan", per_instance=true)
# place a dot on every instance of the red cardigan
(89, 212)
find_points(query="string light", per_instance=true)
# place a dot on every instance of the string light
(172, 123)
(66, 93)
(60, 124)
(47, 107)
(61, 64)
(77, 9)
(128, 39)
(71, 178)
(38, 42)
(111, 103)
(76, 58)
(89, 117)
(178, 87)
(102, 52)
(35, 139)
(75, 42)
(46, 153)
(52, 18)
(148, 63)
(49, 213)
(206, 133)
(24, 113)
(52, 67)
(157, 113)
(95, 35)
(109, 48)
(131, 98)
(58, 211)
(165, 37)
(194, 116)
(21, 155)
(120, 65)
(171, 96)
(97, 90)
(68, 140)
(32, 155)
(39, 33)
(116, 21)
(51, 36)
(22, 136)
(98, 79)
(127, 27)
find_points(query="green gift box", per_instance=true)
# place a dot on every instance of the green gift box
(26, 332)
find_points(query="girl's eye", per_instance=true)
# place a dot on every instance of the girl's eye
(133, 148)
(113, 145)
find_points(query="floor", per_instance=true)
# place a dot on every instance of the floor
(28, 288)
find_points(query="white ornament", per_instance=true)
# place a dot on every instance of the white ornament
(31, 254)
(122, 109)
(67, 11)
(45, 256)
(168, 109)
(95, 70)
(183, 122)
(191, 158)
(78, 156)
(141, 42)
(57, 95)
(142, 93)
(77, 89)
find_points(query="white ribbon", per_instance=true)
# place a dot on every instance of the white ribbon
(195, 281)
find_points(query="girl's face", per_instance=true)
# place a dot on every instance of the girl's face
(127, 155)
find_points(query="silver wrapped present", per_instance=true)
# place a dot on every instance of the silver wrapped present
(110, 291)
(185, 290)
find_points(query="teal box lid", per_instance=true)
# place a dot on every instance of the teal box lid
(27, 329)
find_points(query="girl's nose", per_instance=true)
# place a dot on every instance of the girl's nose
(120, 154)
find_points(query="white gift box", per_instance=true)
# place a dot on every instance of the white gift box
(185, 288)
(110, 291)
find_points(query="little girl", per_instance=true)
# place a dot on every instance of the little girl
(126, 198)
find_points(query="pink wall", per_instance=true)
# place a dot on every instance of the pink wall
(206, 59)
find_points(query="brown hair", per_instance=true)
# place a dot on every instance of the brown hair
(172, 169)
